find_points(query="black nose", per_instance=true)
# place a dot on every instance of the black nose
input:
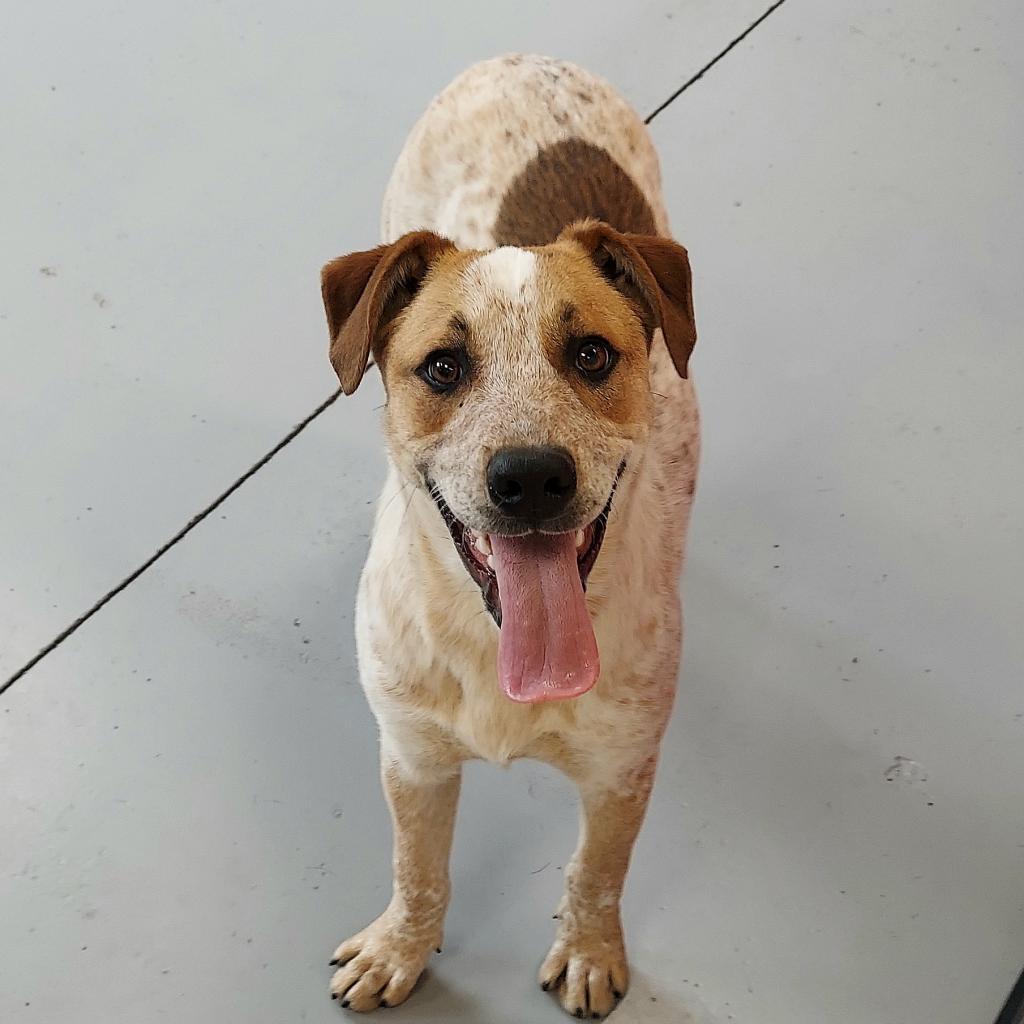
(531, 483)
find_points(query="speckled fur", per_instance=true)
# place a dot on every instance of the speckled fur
(427, 649)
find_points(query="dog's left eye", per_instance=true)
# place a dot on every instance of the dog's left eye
(442, 370)
(594, 358)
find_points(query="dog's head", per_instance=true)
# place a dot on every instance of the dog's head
(517, 390)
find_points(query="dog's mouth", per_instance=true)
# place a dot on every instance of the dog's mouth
(533, 586)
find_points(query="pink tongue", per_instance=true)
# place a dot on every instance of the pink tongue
(547, 649)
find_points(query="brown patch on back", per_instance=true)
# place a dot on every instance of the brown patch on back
(566, 182)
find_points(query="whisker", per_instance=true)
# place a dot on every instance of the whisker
(405, 511)
(482, 610)
(402, 485)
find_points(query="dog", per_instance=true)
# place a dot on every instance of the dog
(532, 321)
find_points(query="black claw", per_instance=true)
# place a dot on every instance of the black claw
(385, 1004)
(334, 995)
(595, 1016)
(438, 950)
(617, 993)
(344, 1004)
(580, 1012)
(554, 982)
(333, 963)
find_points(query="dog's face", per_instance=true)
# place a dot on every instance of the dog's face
(517, 391)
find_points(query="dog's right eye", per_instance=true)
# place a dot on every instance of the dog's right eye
(442, 370)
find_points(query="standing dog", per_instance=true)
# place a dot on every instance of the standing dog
(532, 321)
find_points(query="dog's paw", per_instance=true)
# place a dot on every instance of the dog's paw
(587, 971)
(379, 966)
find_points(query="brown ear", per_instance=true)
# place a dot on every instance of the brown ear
(654, 274)
(364, 292)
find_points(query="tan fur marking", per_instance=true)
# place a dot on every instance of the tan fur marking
(413, 409)
(571, 280)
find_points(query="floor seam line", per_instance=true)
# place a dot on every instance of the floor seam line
(711, 63)
(169, 544)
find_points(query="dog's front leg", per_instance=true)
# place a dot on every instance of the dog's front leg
(587, 963)
(380, 965)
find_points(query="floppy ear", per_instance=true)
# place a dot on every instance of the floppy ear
(365, 291)
(654, 274)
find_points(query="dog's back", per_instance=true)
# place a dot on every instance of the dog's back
(517, 148)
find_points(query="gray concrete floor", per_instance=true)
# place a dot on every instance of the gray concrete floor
(189, 815)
